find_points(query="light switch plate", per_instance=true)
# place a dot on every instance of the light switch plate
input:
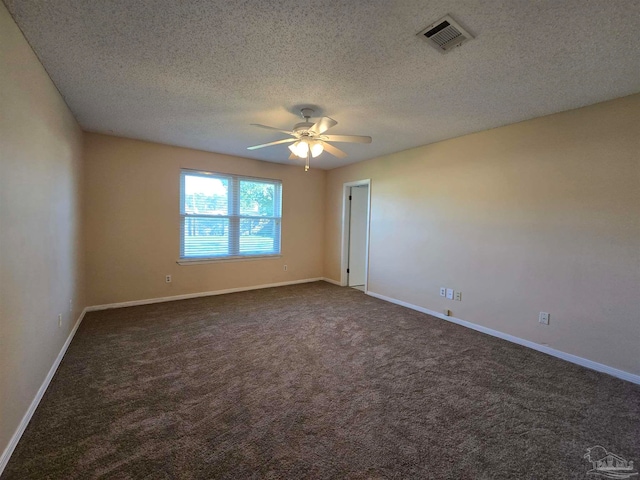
(450, 293)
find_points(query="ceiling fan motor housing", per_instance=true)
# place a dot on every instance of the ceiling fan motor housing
(302, 128)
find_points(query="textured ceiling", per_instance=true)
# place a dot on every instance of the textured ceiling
(196, 73)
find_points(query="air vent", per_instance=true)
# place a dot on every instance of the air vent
(445, 34)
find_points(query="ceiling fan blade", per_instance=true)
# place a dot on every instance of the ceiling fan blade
(277, 142)
(322, 125)
(293, 156)
(336, 152)
(348, 138)
(271, 128)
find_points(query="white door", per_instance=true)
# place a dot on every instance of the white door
(358, 234)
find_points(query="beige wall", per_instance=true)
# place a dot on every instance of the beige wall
(40, 262)
(543, 215)
(132, 222)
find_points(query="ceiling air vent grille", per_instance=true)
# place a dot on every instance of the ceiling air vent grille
(445, 34)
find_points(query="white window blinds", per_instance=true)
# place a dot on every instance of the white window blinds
(227, 216)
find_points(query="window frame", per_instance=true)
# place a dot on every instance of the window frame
(233, 216)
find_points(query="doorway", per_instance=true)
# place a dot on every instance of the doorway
(355, 252)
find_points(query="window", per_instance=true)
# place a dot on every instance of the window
(228, 216)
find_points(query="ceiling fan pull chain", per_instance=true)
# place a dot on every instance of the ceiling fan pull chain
(306, 167)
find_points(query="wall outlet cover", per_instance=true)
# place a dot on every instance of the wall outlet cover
(544, 318)
(443, 291)
(458, 296)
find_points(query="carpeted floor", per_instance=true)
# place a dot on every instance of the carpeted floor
(315, 381)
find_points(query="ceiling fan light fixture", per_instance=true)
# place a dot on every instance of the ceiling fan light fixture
(300, 148)
(316, 148)
(303, 148)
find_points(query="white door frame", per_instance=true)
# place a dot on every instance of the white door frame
(345, 231)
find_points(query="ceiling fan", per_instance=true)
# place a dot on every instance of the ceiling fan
(309, 139)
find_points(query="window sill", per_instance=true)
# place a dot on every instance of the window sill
(244, 258)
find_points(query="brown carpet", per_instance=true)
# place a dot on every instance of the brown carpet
(315, 381)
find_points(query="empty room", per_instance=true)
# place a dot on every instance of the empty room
(323, 240)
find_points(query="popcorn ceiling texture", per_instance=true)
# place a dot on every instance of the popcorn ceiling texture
(196, 73)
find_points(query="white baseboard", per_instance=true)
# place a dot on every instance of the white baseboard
(330, 280)
(630, 377)
(8, 451)
(186, 296)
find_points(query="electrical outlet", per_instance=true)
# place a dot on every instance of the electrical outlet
(458, 296)
(443, 291)
(450, 293)
(285, 268)
(544, 318)
(59, 320)
(167, 278)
